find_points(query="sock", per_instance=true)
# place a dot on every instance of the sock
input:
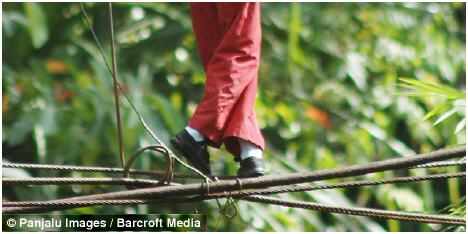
(197, 136)
(249, 150)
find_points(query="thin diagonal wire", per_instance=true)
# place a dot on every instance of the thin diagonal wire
(90, 27)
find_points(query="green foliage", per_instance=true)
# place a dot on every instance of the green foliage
(454, 100)
(328, 77)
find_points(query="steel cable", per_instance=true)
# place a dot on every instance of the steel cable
(385, 214)
(266, 181)
(369, 212)
(283, 189)
(441, 164)
(158, 174)
(239, 194)
(409, 179)
(82, 181)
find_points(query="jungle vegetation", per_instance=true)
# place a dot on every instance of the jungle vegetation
(340, 84)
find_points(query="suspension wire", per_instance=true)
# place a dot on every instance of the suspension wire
(154, 173)
(116, 94)
(91, 29)
(129, 101)
(272, 180)
(283, 189)
(82, 181)
(369, 212)
(385, 214)
(239, 194)
(357, 211)
(442, 164)
(297, 188)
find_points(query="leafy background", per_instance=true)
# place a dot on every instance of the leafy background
(329, 96)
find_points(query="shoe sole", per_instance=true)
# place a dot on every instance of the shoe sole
(252, 174)
(187, 156)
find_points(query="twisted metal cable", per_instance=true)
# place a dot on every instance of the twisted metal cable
(409, 179)
(385, 214)
(18, 207)
(369, 212)
(158, 174)
(87, 169)
(43, 206)
(82, 181)
(176, 175)
(283, 189)
(441, 164)
(76, 204)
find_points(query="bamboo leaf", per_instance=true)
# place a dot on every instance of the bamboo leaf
(435, 111)
(428, 87)
(418, 95)
(461, 125)
(445, 116)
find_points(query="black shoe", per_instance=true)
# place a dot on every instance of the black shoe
(251, 167)
(195, 152)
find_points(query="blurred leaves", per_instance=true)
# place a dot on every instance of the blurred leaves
(37, 24)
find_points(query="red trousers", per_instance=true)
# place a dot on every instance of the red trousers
(229, 40)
